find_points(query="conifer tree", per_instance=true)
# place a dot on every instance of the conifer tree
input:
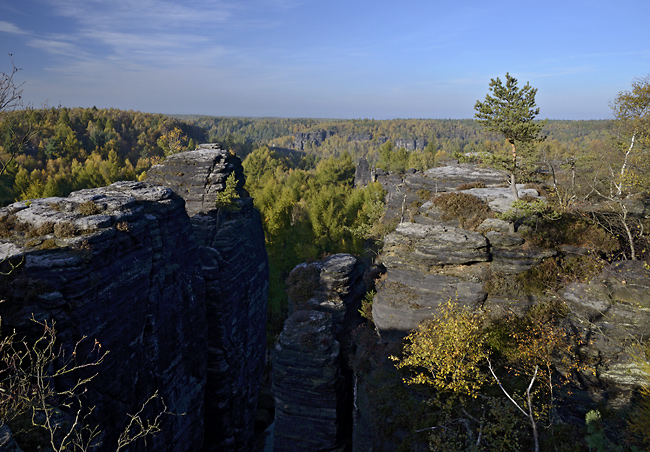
(511, 111)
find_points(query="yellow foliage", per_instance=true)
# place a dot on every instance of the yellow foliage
(447, 351)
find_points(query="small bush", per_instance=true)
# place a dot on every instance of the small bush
(7, 224)
(469, 210)
(302, 283)
(424, 194)
(470, 185)
(48, 244)
(366, 305)
(44, 229)
(227, 198)
(88, 208)
(65, 229)
(574, 230)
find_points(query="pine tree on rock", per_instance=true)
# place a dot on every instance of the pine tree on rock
(511, 111)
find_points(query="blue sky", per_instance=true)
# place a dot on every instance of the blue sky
(329, 59)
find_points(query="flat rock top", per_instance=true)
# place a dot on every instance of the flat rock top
(81, 212)
(467, 171)
(204, 153)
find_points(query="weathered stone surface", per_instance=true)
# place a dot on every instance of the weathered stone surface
(612, 312)
(7, 442)
(516, 260)
(407, 297)
(198, 176)
(176, 300)
(500, 198)
(132, 282)
(418, 245)
(453, 175)
(235, 269)
(316, 336)
(309, 390)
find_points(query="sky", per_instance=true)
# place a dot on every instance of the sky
(323, 59)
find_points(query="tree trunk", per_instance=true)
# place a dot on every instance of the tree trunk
(513, 187)
(513, 182)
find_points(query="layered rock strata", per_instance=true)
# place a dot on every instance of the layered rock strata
(117, 265)
(312, 383)
(179, 302)
(235, 269)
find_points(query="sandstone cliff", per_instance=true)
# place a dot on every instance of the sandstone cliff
(127, 277)
(179, 302)
(312, 380)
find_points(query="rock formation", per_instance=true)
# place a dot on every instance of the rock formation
(235, 268)
(312, 382)
(429, 261)
(123, 273)
(179, 302)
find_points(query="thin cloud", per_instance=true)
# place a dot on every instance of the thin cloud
(11, 28)
(56, 47)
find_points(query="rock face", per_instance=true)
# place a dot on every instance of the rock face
(429, 261)
(308, 385)
(127, 277)
(312, 383)
(180, 302)
(612, 311)
(363, 175)
(197, 176)
(235, 269)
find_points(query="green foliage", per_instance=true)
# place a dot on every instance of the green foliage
(531, 209)
(56, 151)
(309, 212)
(469, 210)
(227, 198)
(511, 111)
(366, 305)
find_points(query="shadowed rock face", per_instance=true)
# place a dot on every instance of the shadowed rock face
(612, 312)
(179, 302)
(308, 386)
(129, 278)
(312, 384)
(235, 269)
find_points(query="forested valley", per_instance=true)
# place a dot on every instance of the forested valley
(304, 189)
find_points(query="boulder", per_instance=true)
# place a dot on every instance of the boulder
(407, 297)
(414, 245)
